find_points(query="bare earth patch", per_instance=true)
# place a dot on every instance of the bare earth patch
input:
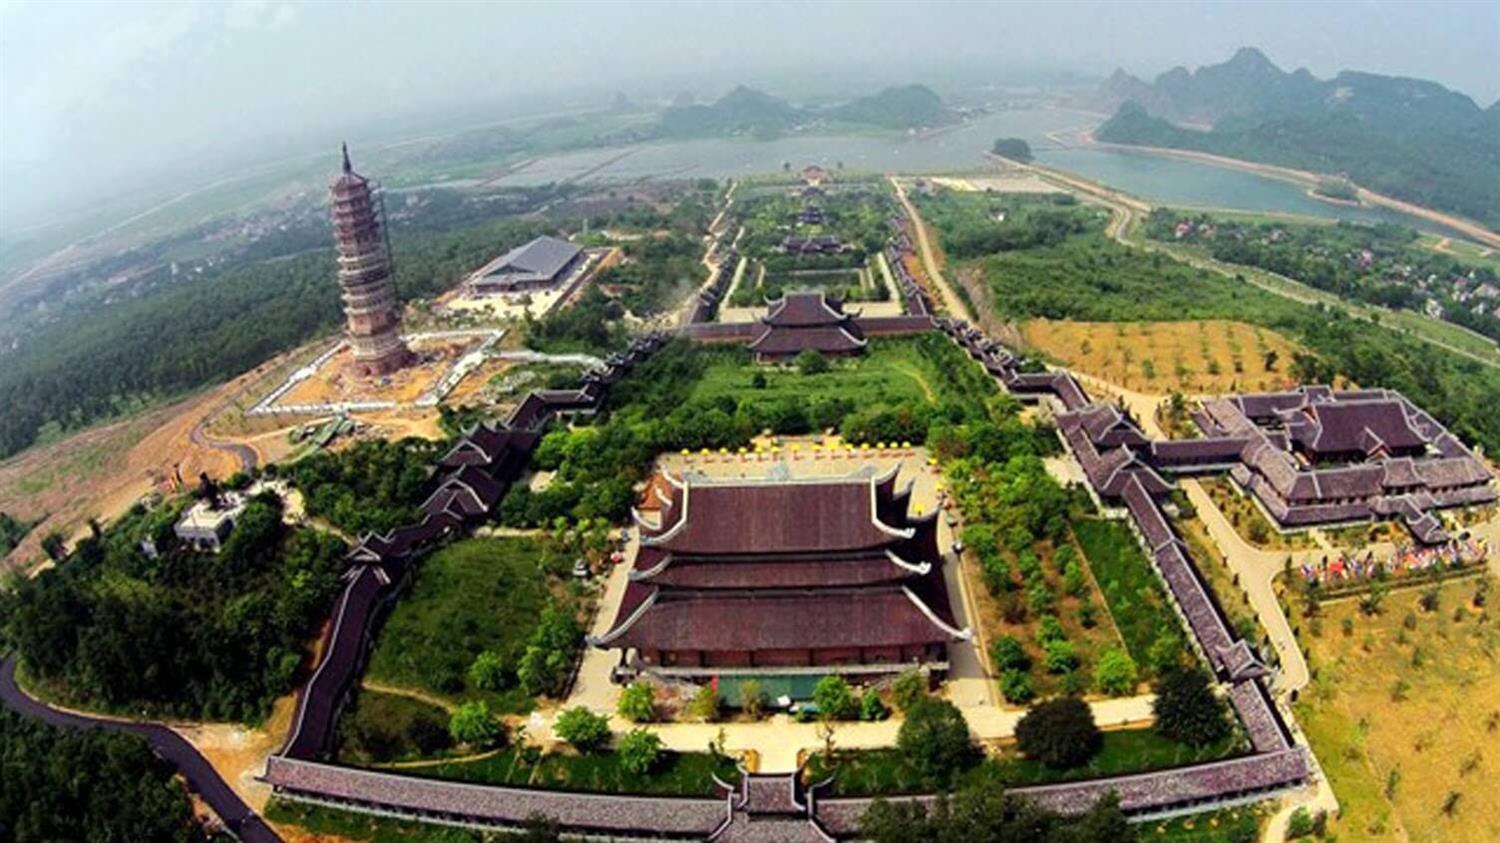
(1208, 356)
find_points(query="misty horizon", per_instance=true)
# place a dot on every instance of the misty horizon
(102, 100)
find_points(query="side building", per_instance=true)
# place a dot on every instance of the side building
(784, 577)
(544, 263)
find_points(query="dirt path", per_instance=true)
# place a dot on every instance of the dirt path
(954, 304)
(409, 693)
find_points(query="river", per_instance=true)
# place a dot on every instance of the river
(1157, 179)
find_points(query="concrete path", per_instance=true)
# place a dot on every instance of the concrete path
(1256, 569)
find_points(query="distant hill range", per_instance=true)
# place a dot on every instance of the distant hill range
(748, 111)
(1409, 138)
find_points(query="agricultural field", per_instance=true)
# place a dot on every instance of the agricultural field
(1210, 356)
(478, 595)
(1404, 712)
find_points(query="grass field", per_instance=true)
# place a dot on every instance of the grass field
(379, 727)
(475, 595)
(1404, 715)
(892, 372)
(1208, 356)
(331, 824)
(886, 771)
(675, 774)
(1132, 591)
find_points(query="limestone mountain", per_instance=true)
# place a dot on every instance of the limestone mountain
(1411, 138)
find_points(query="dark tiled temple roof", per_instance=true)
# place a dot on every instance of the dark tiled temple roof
(774, 518)
(801, 310)
(1358, 426)
(826, 339)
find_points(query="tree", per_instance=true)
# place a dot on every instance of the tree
(1016, 149)
(1059, 656)
(705, 704)
(936, 739)
(639, 750)
(811, 362)
(1059, 733)
(487, 672)
(834, 698)
(1015, 686)
(1008, 654)
(638, 702)
(909, 689)
(1186, 708)
(584, 730)
(473, 724)
(872, 707)
(1115, 673)
(96, 785)
(539, 828)
(752, 698)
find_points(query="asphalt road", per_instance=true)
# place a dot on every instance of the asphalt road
(201, 777)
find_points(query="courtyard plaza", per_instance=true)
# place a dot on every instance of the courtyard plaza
(779, 743)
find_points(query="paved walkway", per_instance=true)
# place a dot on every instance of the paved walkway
(1255, 569)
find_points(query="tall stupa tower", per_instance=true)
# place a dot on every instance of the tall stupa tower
(373, 318)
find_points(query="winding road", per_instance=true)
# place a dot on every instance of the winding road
(201, 777)
(244, 453)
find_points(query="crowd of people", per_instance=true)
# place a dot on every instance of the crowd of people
(1407, 560)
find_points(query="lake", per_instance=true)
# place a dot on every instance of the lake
(1157, 179)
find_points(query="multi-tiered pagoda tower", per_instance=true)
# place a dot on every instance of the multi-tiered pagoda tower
(372, 315)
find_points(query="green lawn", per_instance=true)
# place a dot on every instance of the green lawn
(1134, 594)
(349, 825)
(892, 371)
(886, 771)
(675, 774)
(380, 727)
(475, 595)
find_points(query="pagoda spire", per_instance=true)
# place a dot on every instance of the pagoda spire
(348, 168)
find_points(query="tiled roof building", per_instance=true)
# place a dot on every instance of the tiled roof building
(763, 575)
(802, 321)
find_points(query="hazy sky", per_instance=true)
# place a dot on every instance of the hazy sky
(100, 91)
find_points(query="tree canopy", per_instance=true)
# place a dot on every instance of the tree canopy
(1060, 733)
(1187, 709)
